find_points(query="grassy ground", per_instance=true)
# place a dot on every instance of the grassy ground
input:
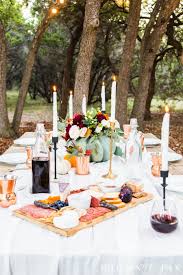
(39, 109)
(34, 110)
(30, 104)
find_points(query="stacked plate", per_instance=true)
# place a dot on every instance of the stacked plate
(25, 142)
(149, 142)
(13, 158)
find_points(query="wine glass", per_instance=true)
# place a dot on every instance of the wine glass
(164, 216)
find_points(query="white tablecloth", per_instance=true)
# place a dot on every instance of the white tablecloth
(123, 245)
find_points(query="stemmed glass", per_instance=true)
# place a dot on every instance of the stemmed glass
(164, 217)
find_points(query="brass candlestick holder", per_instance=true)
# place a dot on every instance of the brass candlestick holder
(110, 174)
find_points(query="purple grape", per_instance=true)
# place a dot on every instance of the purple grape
(125, 194)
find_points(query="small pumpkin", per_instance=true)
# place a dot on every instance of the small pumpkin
(71, 159)
(63, 166)
(105, 142)
(97, 150)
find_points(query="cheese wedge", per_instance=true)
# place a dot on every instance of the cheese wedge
(113, 201)
(110, 196)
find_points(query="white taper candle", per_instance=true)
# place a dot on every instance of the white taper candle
(71, 105)
(84, 105)
(55, 115)
(103, 96)
(165, 139)
(113, 99)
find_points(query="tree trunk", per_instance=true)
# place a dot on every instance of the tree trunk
(4, 122)
(87, 48)
(150, 44)
(29, 67)
(172, 38)
(66, 82)
(126, 60)
(151, 93)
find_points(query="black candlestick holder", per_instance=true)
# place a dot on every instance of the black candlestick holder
(164, 175)
(55, 141)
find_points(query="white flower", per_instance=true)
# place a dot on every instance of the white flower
(105, 123)
(98, 129)
(74, 132)
(83, 132)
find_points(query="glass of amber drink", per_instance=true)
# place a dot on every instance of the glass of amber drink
(156, 164)
(7, 190)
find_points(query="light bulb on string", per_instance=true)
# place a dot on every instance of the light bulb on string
(58, 2)
(54, 10)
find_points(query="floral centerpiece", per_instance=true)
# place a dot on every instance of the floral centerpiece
(92, 132)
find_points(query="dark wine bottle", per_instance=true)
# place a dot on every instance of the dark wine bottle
(40, 163)
(40, 175)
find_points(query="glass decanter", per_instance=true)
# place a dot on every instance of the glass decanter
(133, 150)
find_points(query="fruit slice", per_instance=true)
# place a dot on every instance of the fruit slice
(114, 201)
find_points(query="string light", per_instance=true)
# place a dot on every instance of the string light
(58, 1)
(54, 10)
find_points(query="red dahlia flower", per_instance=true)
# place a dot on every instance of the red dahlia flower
(68, 127)
(100, 117)
(78, 120)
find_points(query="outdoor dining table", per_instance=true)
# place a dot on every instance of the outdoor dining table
(125, 244)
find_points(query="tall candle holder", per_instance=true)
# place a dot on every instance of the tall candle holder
(164, 175)
(55, 141)
(110, 174)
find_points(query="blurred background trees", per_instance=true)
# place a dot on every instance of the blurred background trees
(58, 53)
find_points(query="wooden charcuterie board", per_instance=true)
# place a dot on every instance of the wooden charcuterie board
(83, 225)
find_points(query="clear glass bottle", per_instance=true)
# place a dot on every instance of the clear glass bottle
(40, 163)
(133, 150)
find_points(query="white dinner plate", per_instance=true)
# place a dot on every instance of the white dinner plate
(152, 141)
(13, 158)
(175, 183)
(174, 157)
(25, 141)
